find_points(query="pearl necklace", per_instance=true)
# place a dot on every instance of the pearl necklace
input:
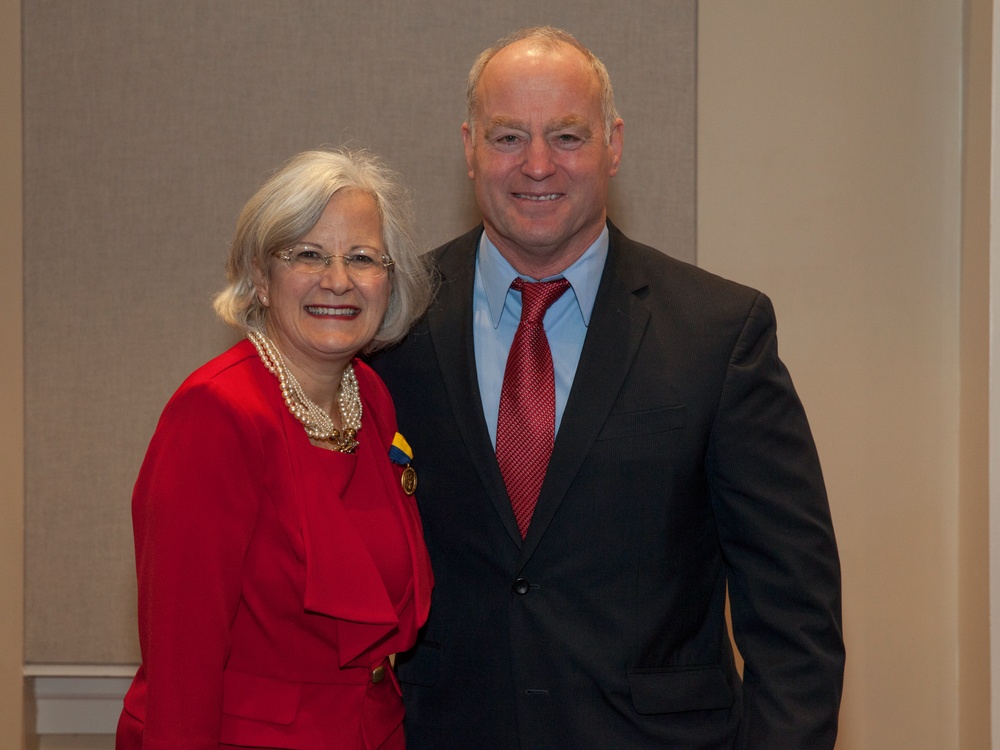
(315, 420)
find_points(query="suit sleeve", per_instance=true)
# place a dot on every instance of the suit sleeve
(194, 508)
(778, 542)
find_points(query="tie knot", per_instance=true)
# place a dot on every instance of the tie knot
(538, 296)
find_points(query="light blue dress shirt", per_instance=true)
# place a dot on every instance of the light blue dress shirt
(496, 311)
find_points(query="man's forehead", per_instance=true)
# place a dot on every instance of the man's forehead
(530, 49)
(512, 87)
(568, 121)
(527, 61)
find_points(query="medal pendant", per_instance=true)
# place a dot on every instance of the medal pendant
(409, 480)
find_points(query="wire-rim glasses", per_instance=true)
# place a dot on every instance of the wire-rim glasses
(361, 263)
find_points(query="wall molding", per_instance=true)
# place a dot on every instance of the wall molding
(78, 698)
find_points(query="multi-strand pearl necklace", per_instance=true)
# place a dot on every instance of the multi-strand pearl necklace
(317, 423)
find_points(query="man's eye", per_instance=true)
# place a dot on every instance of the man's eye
(506, 140)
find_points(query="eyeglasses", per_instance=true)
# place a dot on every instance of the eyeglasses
(362, 263)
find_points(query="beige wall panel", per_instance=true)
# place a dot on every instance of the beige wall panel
(974, 694)
(11, 383)
(829, 175)
(148, 124)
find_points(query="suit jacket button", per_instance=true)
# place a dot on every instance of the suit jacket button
(378, 674)
(521, 586)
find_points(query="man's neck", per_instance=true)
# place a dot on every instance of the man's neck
(542, 262)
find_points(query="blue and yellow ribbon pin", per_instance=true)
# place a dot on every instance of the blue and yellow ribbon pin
(401, 453)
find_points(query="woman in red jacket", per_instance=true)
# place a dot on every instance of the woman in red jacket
(278, 549)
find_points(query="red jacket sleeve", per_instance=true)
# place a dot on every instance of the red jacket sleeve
(194, 509)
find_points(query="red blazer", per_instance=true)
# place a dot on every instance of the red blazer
(275, 577)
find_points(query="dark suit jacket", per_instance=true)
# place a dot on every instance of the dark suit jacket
(683, 464)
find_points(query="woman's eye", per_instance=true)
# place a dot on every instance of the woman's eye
(308, 256)
(360, 259)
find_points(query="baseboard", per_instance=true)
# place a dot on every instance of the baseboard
(78, 699)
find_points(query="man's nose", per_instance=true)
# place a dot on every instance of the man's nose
(538, 163)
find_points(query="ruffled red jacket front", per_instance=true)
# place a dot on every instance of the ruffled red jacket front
(274, 577)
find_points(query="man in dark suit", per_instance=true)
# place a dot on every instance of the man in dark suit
(580, 597)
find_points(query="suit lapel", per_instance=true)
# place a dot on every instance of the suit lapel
(617, 325)
(450, 325)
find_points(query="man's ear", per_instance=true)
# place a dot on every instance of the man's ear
(616, 143)
(469, 149)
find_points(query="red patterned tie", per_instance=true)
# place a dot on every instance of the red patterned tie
(526, 426)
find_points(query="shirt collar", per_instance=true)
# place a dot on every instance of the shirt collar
(584, 276)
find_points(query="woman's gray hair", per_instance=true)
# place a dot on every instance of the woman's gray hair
(290, 203)
(549, 37)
